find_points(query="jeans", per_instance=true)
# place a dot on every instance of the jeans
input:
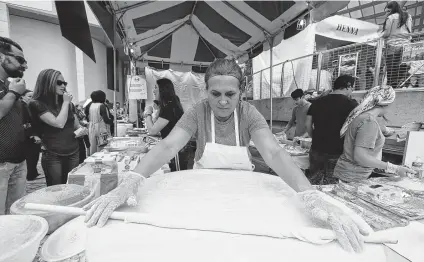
(321, 168)
(12, 184)
(56, 168)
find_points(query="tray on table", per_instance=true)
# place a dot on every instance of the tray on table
(295, 150)
(378, 218)
(126, 143)
(412, 207)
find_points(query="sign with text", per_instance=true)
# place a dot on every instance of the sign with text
(413, 52)
(347, 29)
(137, 87)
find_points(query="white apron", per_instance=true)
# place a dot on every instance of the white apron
(217, 156)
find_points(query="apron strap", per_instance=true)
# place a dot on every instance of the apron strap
(236, 125)
(213, 126)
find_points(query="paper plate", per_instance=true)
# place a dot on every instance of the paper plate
(20, 236)
(67, 241)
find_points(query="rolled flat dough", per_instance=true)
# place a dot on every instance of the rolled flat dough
(211, 199)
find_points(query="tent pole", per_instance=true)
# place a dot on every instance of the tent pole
(114, 75)
(271, 42)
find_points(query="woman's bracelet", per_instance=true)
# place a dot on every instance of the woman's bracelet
(392, 169)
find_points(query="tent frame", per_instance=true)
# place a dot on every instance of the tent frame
(269, 38)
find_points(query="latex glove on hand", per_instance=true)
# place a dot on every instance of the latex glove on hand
(348, 229)
(148, 111)
(101, 208)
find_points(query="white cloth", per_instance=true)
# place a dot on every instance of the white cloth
(217, 156)
(96, 126)
(230, 201)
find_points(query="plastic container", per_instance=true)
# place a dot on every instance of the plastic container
(63, 195)
(20, 237)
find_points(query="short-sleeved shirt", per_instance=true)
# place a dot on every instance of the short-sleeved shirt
(299, 118)
(398, 35)
(60, 141)
(172, 113)
(197, 122)
(328, 116)
(363, 132)
(12, 132)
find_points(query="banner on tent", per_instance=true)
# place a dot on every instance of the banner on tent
(347, 29)
(137, 87)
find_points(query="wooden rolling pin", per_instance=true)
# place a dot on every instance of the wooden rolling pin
(319, 235)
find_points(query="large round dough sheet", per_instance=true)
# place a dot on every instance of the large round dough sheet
(210, 200)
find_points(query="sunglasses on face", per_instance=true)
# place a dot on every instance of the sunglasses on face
(20, 59)
(60, 82)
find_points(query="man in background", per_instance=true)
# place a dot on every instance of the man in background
(324, 121)
(299, 114)
(13, 169)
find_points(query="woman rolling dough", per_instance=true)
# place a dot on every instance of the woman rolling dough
(223, 126)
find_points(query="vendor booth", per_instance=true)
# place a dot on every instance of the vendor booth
(210, 214)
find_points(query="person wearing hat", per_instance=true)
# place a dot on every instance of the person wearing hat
(364, 139)
(299, 113)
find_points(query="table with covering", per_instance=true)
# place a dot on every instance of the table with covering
(219, 202)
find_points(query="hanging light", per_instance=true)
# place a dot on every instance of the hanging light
(301, 24)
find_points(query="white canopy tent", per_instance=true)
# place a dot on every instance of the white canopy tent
(303, 45)
(195, 33)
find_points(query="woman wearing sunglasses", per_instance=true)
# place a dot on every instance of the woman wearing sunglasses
(52, 109)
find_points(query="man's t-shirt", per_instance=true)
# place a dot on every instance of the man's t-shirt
(363, 132)
(299, 118)
(197, 122)
(12, 132)
(171, 113)
(60, 141)
(328, 116)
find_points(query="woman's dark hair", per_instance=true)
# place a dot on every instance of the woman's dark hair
(156, 102)
(167, 94)
(98, 97)
(45, 89)
(396, 9)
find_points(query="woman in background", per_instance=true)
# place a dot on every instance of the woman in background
(33, 143)
(171, 111)
(52, 110)
(364, 138)
(84, 142)
(99, 120)
(396, 30)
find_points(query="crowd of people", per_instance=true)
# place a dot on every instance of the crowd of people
(44, 122)
(347, 139)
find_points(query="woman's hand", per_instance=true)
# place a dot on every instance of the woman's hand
(349, 229)
(100, 209)
(148, 111)
(67, 97)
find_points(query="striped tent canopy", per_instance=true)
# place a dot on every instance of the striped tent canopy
(196, 32)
